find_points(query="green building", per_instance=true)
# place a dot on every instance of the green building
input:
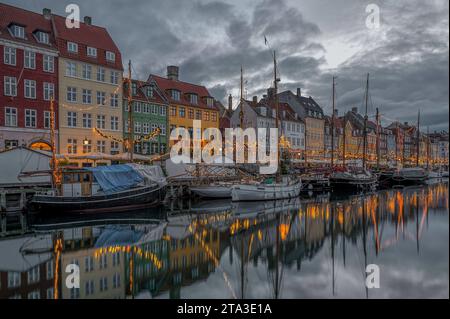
(149, 113)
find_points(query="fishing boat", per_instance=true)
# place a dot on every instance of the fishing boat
(111, 188)
(280, 187)
(410, 176)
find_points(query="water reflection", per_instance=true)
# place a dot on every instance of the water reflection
(217, 249)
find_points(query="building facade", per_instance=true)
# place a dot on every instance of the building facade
(29, 78)
(90, 89)
(149, 113)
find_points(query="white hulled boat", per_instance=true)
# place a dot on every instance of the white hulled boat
(287, 188)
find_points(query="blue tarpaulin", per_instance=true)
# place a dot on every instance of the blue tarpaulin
(115, 178)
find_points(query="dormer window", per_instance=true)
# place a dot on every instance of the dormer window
(149, 91)
(92, 52)
(175, 95)
(72, 47)
(193, 99)
(110, 56)
(42, 37)
(209, 101)
(18, 31)
(133, 88)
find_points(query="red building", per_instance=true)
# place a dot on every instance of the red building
(28, 76)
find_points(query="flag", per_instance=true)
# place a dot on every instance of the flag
(265, 40)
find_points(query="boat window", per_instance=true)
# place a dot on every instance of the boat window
(76, 178)
(67, 178)
(86, 177)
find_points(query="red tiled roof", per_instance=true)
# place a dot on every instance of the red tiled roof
(86, 35)
(184, 87)
(141, 96)
(30, 20)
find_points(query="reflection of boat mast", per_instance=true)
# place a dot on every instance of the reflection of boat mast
(364, 241)
(417, 223)
(343, 233)
(332, 246)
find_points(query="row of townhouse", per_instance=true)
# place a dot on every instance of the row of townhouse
(81, 68)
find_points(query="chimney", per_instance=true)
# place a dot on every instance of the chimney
(230, 103)
(47, 13)
(88, 20)
(172, 72)
(299, 92)
(354, 109)
(255, 99)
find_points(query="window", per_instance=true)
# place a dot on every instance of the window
(18, 31)
(133, 88)
(29, 59)
(175, 95)
(49, 91)
(182, 112)
(10, 86)
(209, 102)
(110, 56)
(114, 77)
(34, 294)
(10, 116)
(116, 280)
(114, 102)
(87, 96)
(89, 287)
(114, 147)
(103, 262)
(48, 63)
(9, 56)
(137, 107)
(173, 111)
(145, 128)
(13, 279)
(101, 98)
(71, 146)
(154, 109)
(72, 47)
(71, 119)
(92, 52)
(101, 146)
(9, 144)
(162, 110)
(163, 129)
(71, 94)
(101, 74)
(114, 123)
(30, 89)
(71, 69)
(145, 108)
(87, 120)
(101, 121)
(137, 127)
(116, 259)
(42, 37)
(198, 115)
(194, 99)
(30, 118)
(206, 115)
(33, 275)
(74, 293)
(103, 284)
(50, 293)
(190, 113)
(46, 119)
(149, 91)
(87, 71)
(87, 146)
(213, 116)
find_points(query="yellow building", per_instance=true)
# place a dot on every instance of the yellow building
(187, 102)
(90, 95)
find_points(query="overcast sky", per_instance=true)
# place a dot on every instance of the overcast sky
(407, 56)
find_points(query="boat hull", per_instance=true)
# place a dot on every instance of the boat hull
(118, 201)
(265, 192)
(212, 191)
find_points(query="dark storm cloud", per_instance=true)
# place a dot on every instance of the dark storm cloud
(407, 57)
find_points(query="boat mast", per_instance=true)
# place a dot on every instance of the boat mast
(53, 143)
(365, 124)
(428, 147)
(418, 138)
(378, 139)
(344, 142)
(332, 126)
(275, 85)
(241, 112)
(130, 115)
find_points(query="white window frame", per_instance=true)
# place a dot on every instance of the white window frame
(42, 37)
(71, 119)
(18, 31)
(86, 71)
(47, 119)
(86, 120)
(86, 96)
(48, 90)
(10, 86)
(114, 123)
(101, 73)
(72, 47)
(110, 56)
(48, 63)
(101, 121)
(71, 69)
(73, 94)
(9, 55)
(9, 117)
(91, 52)
(30, 86)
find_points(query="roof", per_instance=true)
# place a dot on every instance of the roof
(185, 88)
(87, 35)
(301, 104)
(158, 96)
(32, 22)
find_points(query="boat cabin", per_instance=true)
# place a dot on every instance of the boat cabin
(77, 183)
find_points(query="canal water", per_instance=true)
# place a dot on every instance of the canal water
(314, 247)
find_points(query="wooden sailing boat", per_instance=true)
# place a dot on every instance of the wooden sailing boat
(284, 186)
(355, 179)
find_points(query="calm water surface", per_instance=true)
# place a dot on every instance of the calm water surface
(314, 247)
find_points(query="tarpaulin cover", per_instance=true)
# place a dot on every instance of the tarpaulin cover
(115, 178)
